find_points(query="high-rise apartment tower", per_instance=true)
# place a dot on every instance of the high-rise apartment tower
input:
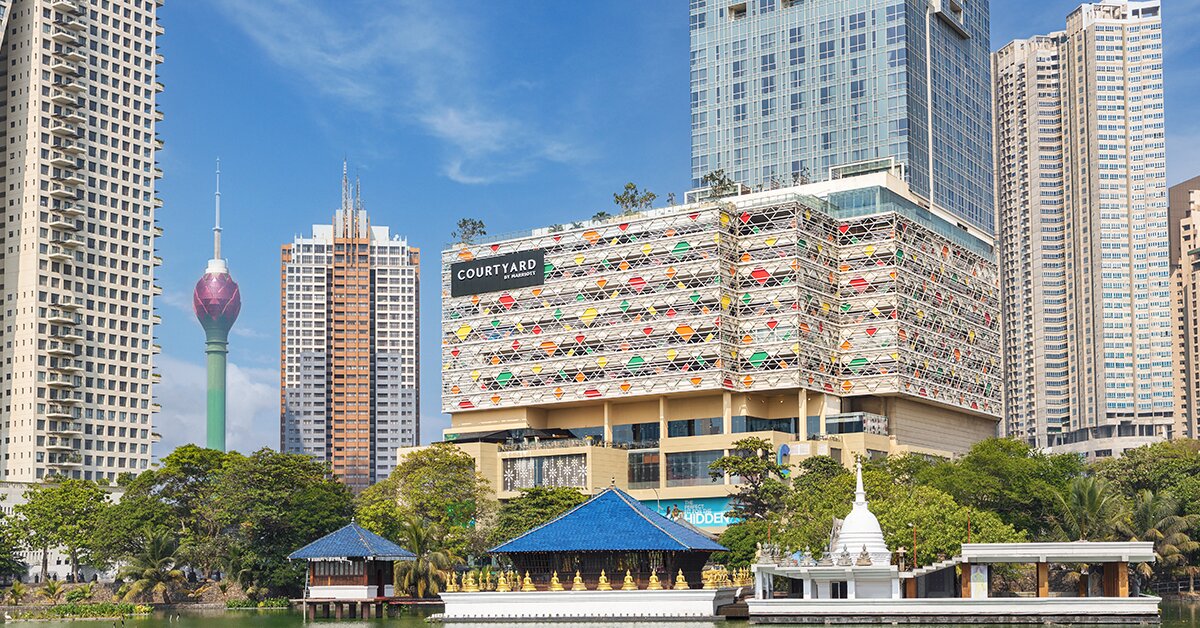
(1185, 275)
(349, 386)
(77, 238)
(1083, 232)
(785, 91)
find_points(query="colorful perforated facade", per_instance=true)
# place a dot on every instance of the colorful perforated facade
(861, 292)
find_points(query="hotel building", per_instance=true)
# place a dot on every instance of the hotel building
(785, 91)
(1083, 233)
(1185, 271)
(77, 244)
(349, 386)
(840, 318)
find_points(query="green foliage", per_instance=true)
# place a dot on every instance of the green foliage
(81, 593)
(89, 610)
(1155, 517)
(601, 216)
(632, 200)
(152, 570)
(719, 184)
(243, 603)
(742, 539)
(1089, 510)
(16, 593)
(422, 576)
(53, 591)
(270, 504)
(1158, 467)
(762, 489)
(62, 514)
(1006, 477)
(468, 230)
(438, 484)
(533, 508)
(816, 471)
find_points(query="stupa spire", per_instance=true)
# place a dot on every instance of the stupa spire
(217, 221)
(860, 495)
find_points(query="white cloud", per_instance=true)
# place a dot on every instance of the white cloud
(412, 59)
(251, 406)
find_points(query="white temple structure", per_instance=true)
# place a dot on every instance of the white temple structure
(855, 581)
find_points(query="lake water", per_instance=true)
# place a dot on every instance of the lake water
(1174, 614)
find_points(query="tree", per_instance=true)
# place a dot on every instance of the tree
(1157, 467)
(1089, 510)
(269, 504)
(16, 594)
(742, 539)
(423, 574)
(761, 490)
(468, 230)
(533, 508)
(1008, 477)
(719, 184)
(1155, 517)
(11, 565)
(53, 591)
(152, 569)
(815, 471)
(601, 216)
(439, 484)
(62, 514)
(632, 200)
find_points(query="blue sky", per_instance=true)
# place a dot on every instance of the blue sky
(521, 114)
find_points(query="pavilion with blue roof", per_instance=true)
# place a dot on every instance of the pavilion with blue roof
(351, 563)
(615, 533)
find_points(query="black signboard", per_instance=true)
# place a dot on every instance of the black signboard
(500, 272)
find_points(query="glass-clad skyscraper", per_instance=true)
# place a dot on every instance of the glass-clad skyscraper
(792, 90)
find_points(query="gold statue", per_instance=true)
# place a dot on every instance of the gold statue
(450, 588)
(577, 584)
(602, 584)
(710, 580)
(469, 583)
(555, 585)
(681, 582)
(527, 583)
(654, 584)
(629, 584)
(502, 584)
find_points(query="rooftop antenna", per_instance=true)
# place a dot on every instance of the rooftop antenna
(217, 223)
(345, 187)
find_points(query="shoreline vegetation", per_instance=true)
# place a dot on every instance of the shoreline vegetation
(88, 610)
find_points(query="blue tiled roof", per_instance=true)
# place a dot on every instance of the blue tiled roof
(610, 522)
(352, 541)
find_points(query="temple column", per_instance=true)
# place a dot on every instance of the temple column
(850, 592)
(964, 581)
(1043, 580)
(895, 588)
(1122, 577)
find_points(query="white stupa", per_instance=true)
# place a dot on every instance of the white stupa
(861, 529)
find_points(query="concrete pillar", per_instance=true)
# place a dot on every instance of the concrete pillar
(850, 592)
(822, 415)
(910, 588)
(337, 610)
(802, 416)
(1043, 580)
(607, 423)
(895, 588)
(727, 413)
(964, 580)
(1122, 577)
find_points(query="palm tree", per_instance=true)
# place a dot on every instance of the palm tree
(153, 568)
(53, 591)
(1089, 510)
(1156, 518)
(16, 594)
(422, 574)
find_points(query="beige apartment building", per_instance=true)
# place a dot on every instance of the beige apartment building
(1185, 257)
(77, 244)
(844, 318)
(1082, 232)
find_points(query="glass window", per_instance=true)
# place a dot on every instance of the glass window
(691, 468)
(636, 434)
(588, 433)
(755, 424)
(694, 427)
(643, 469)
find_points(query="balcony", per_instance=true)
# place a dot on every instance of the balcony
(59, 411)
(157, 231)
(66, 461)
(158, 144)
(156, 378)
(61, 446)
(66, 397)
(70, 208)
(156, 290)
(65, 6)
(71, 114)
(155, 407)
(68, 240)
(156, 348)
(58, 347)
(66, 365)
(158, 58)
(71, 177)
(158, 261)
(64, 129)
(62, 66)
(158, 86)
(156, 320)
(61, 316)
(63, 191)
(69, 146)
(69, 84)
(158, 202)
(63, 97)
(60, 253)
(72, 53)
(158, 29)
(158, 116)
(62, 222)
(56, 380)
(158, 173)
(66, 428)
(67, 334)
(71, 23)
(63, 160)
(65, 36)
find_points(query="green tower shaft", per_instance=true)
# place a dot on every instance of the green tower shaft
(216, 348)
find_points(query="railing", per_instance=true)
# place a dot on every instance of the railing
(566, 443)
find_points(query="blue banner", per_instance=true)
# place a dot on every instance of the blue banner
(702, 512)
